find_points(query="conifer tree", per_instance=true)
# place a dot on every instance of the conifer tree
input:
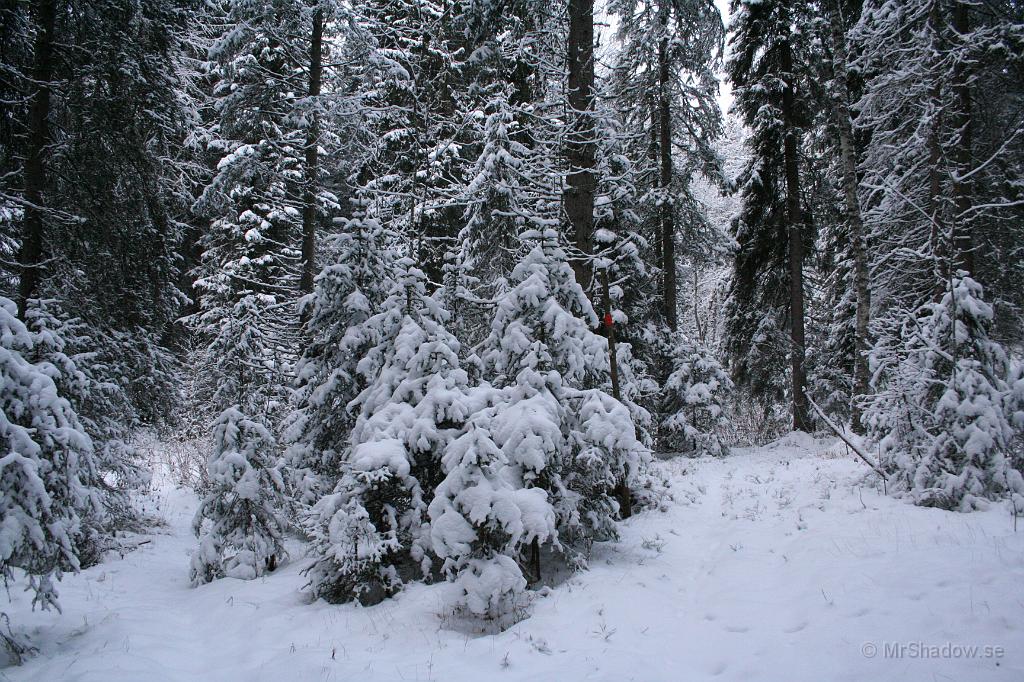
(542, 353)
(244, 537)
(933, 187)
(247, 278)
(482, 518)
(765, 311)
(946, 413)
(694, 400)
(666, 80)
(43, 473)
(412, 166)
(96, 122)
(347, 292)
(106, 415)
(412, 406)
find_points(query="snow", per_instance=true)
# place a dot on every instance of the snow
(774, 563)
(389, 453)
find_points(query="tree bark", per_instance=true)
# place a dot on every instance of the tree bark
(581, 183)
(655, 156)
(858, 240)
(312, 153)
(30, 253)
(963, 237)
(938, 235)
(668, 228)
(794, 219)
(622, 490)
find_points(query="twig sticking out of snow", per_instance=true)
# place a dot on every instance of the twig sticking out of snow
(836, 430)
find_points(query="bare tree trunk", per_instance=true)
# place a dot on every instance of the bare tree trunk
(622, 487)
(580, 153)
(858, 240)
(938, 235)
(796, 248)
(963, 237)
(535, 560)
(30, 254)
(309, 196)
(668, 228)
(655, 155)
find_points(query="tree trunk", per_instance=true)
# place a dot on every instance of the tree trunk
(310, 191)
(30, 254)
(963, 238)
(858, 240)
(622, 490)
(668, 228)
(580, 153)
(655, 179)
(938, 235)
(794, 219)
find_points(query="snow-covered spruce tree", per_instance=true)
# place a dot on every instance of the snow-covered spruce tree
(665, 88)
(247, 280)
(93, 152)
(693, 402)
(360, 530)
(499, 202)
(413, 167)
(836, 362)
(946, 414)
(606, 459)
(543, 355)
(666, 85)
(248, 276)
(103, 167)
(105, 413)
(243, 538)
(843, 300)
(347, 292)
(370, 533)
(772, 49)
(935, 165)
(482, 517)
(47, 454)
(620, 250)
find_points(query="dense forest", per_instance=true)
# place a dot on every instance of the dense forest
(430, 284)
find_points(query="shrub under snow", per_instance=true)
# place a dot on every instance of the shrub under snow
(948, 416)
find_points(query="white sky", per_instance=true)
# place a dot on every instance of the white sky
(725, 91)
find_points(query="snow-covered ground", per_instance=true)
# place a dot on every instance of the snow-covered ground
(776, 563)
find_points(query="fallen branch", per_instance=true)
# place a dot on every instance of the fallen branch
(842, 436)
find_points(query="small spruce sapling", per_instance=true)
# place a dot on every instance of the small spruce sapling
(243, 538)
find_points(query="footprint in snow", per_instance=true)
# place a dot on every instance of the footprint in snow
(718, 668)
